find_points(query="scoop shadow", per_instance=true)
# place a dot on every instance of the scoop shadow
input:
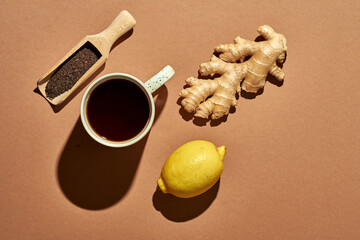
(93, 176)
(184, 209)
(58, 108)
(122, 39)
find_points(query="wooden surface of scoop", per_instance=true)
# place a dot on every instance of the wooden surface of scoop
(100, 44)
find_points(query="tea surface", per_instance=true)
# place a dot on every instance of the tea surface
(118, 110)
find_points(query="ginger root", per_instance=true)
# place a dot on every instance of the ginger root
(236, 74)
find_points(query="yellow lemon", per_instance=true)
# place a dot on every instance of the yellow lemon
(192, 169)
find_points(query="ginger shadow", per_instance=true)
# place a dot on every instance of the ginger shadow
(184, 209)
(93, 176)
(201, 121)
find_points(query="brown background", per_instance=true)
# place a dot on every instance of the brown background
(292, 168)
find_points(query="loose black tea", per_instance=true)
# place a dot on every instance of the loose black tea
(118, 110)
(68, 73)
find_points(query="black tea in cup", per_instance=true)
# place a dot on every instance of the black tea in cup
(118, 110)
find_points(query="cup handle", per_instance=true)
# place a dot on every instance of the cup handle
(159, 79)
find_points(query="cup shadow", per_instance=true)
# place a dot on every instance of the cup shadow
(93, 176)
(160, 97)
(184, 209)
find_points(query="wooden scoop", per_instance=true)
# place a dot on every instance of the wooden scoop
(100, 44)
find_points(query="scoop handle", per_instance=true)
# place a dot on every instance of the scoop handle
(121, 24)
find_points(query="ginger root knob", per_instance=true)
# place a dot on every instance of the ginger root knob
(214, 97)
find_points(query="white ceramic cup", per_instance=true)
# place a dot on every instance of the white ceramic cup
(148, 88)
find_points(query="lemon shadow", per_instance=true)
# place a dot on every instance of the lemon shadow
(184, 209)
